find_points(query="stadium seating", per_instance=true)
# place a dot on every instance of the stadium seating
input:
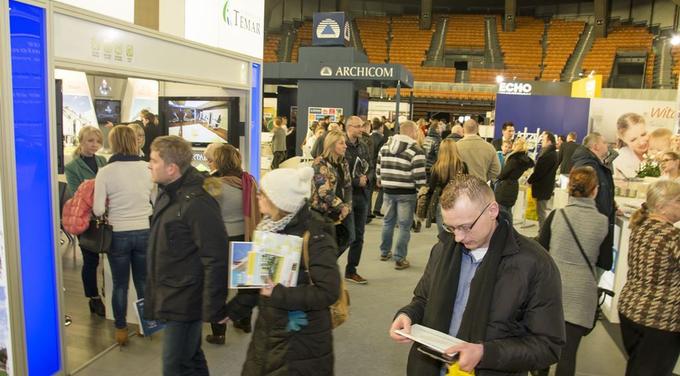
(443, 94)
(623, 38)
(373, 33)
(465, 32)
(562, 39)
(302, 39)
(522, 50)
(271, 47)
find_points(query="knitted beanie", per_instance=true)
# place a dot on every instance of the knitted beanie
(288, 188)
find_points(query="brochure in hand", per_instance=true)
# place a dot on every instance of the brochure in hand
(431, 338)
(269, 255)
(147, 327)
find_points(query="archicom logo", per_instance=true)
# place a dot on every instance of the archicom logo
(326, 71)
(347, 30)
(239, 18)
(328, 29)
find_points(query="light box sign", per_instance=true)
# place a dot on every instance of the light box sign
(235, 25)
(34, 188)
(331, 29)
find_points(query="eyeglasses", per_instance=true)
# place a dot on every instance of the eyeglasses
(465, 228)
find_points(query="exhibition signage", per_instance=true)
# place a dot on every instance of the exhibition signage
(34, 183)
(535, 88)
(384, 73)
(370, 71)
(120, 9)
(589, 87)
(331, 29)
(235, 25)
(604, 113)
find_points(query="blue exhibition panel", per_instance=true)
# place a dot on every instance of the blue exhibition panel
(255, 120)
(559, 115)
(34, 187)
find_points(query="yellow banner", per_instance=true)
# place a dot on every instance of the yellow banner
(589, 87)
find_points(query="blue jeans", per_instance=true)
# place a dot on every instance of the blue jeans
(357, 224)
(128, 249)
(400, 209)
(182, 354)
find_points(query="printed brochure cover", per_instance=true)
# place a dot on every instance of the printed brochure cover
(272, 255)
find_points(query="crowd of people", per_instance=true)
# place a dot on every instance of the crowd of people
(520, 304)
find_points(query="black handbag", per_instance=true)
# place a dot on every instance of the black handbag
(97, 238)
(601, 292)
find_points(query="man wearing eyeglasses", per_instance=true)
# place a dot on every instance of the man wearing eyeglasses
(488, 285)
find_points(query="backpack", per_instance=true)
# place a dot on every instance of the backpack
(75, 217)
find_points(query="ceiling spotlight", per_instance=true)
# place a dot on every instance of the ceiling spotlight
(499, 79)
(675, 40)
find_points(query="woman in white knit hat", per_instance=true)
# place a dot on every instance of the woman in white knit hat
(293, 332)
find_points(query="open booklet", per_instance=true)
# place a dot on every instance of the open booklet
(431, 338)
(269, 255)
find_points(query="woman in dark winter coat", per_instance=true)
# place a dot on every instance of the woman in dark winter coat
(507, 187)
(293, 332)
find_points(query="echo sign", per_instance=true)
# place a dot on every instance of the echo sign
(515, 88)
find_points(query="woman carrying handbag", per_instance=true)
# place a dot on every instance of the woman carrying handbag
(573, 236)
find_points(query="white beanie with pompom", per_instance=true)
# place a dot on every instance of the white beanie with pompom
(288, 188)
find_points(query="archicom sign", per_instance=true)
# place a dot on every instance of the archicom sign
(235, 25)
(515, 88)
(330, 29)
(358, 71)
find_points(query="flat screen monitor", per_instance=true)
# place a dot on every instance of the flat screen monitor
(107, 110)
(200, 120)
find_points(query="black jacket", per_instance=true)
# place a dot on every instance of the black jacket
(378, 142)
(497, 143)
(564, 156)
(455, 137)
(525, 328)
(273, 350)
(507, 186)
(604, 200)
(187, 254)
(542, 180)
(359, 157)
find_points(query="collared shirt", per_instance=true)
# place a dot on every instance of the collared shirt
(470, 261)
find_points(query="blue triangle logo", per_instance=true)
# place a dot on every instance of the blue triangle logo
(328, 30)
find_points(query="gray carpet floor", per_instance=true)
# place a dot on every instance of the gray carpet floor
(362, 345)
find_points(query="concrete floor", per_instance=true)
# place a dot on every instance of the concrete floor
(362, 346)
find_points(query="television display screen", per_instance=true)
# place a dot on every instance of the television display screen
(201, 121)
(107, 110)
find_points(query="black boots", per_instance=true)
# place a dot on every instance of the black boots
(243, 324)
(97, 307)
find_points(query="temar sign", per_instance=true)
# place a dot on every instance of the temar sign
(369, 71)
(330, 29)
(235, 25)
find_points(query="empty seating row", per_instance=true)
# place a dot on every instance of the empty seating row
(623, 38)
(271, 48)
(562, 39)
(373, 32)
(444, 94)
(465, 31)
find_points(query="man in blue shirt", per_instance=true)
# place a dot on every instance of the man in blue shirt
(507, 304)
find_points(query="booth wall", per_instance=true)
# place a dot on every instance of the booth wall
(559, 115)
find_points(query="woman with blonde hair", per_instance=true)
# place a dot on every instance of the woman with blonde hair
(448, 166)
(649, 303)
(84, 166)
(332, 184)
(122, 191)
(236, 191)
(633, 143)
(141, 137)
(507, 186)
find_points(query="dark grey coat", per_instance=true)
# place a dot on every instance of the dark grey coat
(187, 255)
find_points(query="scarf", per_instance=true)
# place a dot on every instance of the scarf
(251, 211)
(476, 315)
(124, 158)
(270, 225)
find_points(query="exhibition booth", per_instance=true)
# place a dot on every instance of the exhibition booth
(562, 108)
(64, 67)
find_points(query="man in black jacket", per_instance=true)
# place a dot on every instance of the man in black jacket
(592, 153)
(567, 150)
(379, 140)
(507, 133)
(542, 180)
(488, 285)
(358, 156)
(187, 257)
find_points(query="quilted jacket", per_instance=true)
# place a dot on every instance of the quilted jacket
(77, 210)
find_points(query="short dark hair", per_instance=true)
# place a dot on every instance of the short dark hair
(551, 137)
(377, 124)
(508, 124)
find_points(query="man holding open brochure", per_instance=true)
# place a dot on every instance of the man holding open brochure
(486, 285)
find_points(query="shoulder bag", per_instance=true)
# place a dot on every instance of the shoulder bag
(602, 293)
(340, 309)
(97, 238)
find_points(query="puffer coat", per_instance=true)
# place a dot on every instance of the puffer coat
(275, 350)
